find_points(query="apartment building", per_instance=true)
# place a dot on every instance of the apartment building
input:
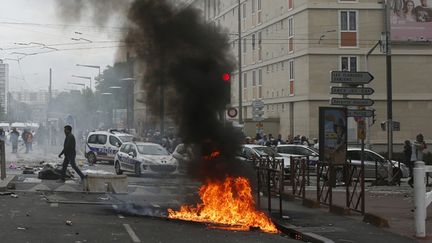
(289, 48)
(4, 86)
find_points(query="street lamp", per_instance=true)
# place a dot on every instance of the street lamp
(80, 84)
(129, 82)
(92, 66)
(84, 77)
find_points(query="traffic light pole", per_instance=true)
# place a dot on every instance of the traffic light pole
(389, 89)
(240, 107)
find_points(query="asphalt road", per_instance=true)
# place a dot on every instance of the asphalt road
(40, 216)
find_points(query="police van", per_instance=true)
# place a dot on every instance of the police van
(103, 145)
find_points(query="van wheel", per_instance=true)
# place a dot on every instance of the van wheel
(117, 168)
(91, 158)
(137, 169)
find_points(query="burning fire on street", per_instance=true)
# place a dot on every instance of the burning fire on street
(228, 203)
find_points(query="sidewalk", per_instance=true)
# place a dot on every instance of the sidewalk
(328, 227)
(392, 203)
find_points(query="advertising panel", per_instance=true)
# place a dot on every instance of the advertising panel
(333, 135)
(411, 20)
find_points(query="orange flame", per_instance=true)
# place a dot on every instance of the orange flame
(227, 203)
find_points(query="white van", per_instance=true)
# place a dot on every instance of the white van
(103, 145)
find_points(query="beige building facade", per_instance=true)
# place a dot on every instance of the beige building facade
(291, 46)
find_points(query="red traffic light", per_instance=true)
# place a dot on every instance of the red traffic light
(226, 77)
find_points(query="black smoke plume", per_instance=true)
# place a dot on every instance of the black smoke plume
(186, 56)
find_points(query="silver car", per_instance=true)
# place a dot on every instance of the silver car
(144, 158)
(374, 162)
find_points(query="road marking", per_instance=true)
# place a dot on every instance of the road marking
(120, 216)
(131, 233)
(155, 205)
(115, 206)
(54, 205)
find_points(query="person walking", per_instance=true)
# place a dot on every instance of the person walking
(70, 153)
(418, 147)
(14, 140)
(407, 152)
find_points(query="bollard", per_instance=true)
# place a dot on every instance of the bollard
(421, 198)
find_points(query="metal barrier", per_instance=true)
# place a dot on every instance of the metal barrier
(422, 199)
(270, 173)
(299, 170)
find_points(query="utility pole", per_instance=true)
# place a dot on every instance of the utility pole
(389, 88)
(48, 110)
(240, 108)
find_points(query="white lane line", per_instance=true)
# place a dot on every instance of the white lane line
(131, 233)
(54, 205)
(120, 216)
(155, 205)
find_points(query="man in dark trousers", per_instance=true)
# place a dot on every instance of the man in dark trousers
(69, 153)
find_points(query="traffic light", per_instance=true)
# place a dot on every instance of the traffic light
(226, 78)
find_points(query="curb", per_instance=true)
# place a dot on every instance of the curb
(376, 220)
(342, 211)
(298, 234)
(4, 183)
(311, 203)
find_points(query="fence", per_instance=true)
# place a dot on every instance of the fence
(270, 175)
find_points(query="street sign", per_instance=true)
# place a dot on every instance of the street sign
(396, 126)
(360, 113)
(352, 91)
(257, 104)
(356, 78)
(232, 112)
(351, 102)
(258, 118)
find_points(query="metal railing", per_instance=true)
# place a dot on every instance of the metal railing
(270, 175)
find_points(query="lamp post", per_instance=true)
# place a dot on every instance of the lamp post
(129, 84)
(84, 77)
(92, 66)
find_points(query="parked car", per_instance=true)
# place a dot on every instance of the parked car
(250, 151)
(103, 145)
(288, 150)
(144, 158)
(374, 162)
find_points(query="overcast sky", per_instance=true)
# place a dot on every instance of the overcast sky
(26, 21)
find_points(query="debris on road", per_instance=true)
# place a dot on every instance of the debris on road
(5, 193)
(14, 195)
(69, 222)
(21, 228)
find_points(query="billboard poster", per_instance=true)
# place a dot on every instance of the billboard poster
(411, 20)
(333, 135)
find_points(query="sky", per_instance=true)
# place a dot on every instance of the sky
(25, 21)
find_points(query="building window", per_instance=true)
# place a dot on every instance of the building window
(290, 4)
(245, 87)
(260, 46)
(348, 28)
(290, 35)
(348, 64)
(260, 76)
(259, 11)
(291, 77)
(254, 85)
(253, 48)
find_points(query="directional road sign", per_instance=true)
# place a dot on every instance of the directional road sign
(351, 102)
(258, 104)
(356, 78)
(360, 113)
(351, 91)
